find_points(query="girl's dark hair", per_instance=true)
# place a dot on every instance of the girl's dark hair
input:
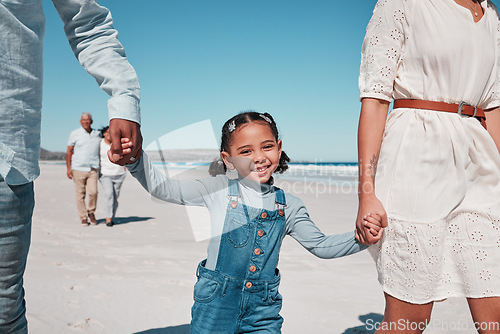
(103, 130)
(217, 166)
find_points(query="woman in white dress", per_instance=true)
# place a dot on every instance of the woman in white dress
(111, 178)
(431, 167)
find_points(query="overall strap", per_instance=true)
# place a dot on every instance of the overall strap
(234, 190)
(280, 201)
(280, 196)
(234, 193)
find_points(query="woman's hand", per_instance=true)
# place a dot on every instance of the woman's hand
(370, 212)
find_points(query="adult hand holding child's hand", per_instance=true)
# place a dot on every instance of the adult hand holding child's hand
(120, 129)
(373, 228)
(370, 207)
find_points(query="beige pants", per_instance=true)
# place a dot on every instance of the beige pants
(85, 183)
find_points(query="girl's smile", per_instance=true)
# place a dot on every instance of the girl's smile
(253, 152)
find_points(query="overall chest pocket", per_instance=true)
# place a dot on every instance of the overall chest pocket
(238, 231)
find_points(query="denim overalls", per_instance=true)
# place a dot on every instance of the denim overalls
(241, 295)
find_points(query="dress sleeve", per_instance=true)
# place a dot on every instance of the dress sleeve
(90, 32)
(382, 49)
(185, 192)
(303, 230)
(494, 99)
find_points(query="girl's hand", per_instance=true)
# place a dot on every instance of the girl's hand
(373, 223)
(369, 205)
(126, 147)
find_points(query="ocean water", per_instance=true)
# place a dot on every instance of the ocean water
(329, 173)
(335, 173)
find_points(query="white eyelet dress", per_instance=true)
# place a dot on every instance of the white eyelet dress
(438, 174)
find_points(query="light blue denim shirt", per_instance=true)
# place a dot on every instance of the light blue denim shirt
(86, 149)
(89, 29)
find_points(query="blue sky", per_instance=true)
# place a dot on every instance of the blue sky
(209, 59)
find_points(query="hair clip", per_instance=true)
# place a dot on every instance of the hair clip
(232, 126)
(266, 118)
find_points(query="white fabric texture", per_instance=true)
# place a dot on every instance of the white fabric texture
(107, 167)
(438, 174)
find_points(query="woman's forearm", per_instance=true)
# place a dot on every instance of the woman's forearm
(493, 125)
(370, 133)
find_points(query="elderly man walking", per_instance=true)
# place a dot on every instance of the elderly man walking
(82, 162)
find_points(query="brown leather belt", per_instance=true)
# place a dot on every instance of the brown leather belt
(462, 108)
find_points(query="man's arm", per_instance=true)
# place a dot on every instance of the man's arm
(69, 154)
(90, 32)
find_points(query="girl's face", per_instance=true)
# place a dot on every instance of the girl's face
(253, 152)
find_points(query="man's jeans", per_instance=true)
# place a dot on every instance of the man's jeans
(16, 210)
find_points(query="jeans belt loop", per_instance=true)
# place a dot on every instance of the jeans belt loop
(266, 292)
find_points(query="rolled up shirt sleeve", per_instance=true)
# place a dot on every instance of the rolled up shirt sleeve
(89, 29)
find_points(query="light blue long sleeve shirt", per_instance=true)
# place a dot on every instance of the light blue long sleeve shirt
(212, 193)
(89, 29)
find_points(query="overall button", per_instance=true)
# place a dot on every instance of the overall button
(281, 212)
(260, 233)
(263, 215)
(253, 268)
(248, 285)
(257, 251)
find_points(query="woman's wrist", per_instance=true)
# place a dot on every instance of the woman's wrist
(366, 186)
(366, 191)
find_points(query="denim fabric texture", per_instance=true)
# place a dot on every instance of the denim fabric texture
(241, 295)
(16, 210)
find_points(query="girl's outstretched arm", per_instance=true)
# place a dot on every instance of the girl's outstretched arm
(185, 192)
(302, 229)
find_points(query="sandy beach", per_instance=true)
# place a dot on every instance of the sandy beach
(138, 276)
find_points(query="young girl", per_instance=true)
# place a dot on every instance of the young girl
(237, 287)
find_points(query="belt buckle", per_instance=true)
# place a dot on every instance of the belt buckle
(461, 107)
